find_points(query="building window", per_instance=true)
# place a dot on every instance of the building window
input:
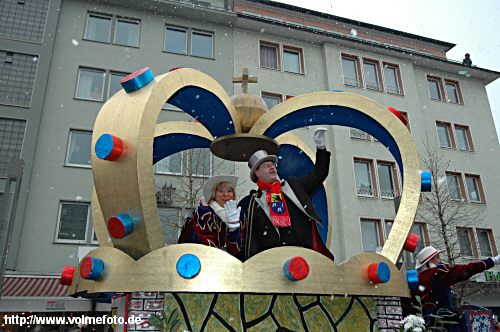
(364, 178)
(476, 242)
(175, 40)
(371, 234)
(444, 134)
(434, 88)
(350, 69)
(202, 44)
(73, 222)
(269, 55)
(90, 84)
(170, 222)
(486, 242)
(98, 28)
(386, 176)
(292, 60)
(455, 186)
(454, 136)
(13, 23)
(392, 77)
(474, 188)
(11, 142)
(170, 165)
(127, 32)
(359, 134)
(444, 90)
(17, 78)
(271, 99)
(79, 148)
(371, 72)
(114, 83)
(452, 92)
(464, 138)
(200, 162)
(465, 241)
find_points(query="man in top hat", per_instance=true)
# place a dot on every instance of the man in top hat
(281, 213)
(436, 279)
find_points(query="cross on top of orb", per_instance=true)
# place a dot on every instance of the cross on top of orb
(244, 79)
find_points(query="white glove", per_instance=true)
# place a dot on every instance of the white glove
(233, 215)
(319, 137)
(496, 259)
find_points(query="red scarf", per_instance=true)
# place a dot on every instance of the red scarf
(277, 204)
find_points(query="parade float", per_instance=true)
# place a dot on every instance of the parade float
(288, 288)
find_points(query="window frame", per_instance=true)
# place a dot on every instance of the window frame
(300, 53)
(112, 28)
(372, 174)
(380, 66)
(100, 15)
(358, 70)
(449, 132)
(491, 241)
(268, 94)
(443, 93)
(480, 189)
(205, 33)
(460, 185)
(378, 75)
(190, 167)
(366, 137)
(181, 173)
(95, 70)
(398, 76)
(15, 124)
(110, 74)
(128, 20)
(378, 227)
(277, 47)
(58, 224)
(68, 148)
(176, 28)
(472, 241)
(394, 178)
(458, 91)
(468, 137)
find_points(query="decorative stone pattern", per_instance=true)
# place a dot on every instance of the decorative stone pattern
(390, 313)
(144, 304)
(250, 312)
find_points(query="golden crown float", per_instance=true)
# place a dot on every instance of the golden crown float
(127, 142)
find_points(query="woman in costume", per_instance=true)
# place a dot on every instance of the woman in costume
(216, 220)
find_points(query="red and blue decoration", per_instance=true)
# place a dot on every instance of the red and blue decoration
(412, 278)
(108, 147)
(411, 242)
(398, 114)
(91, 268)
(121, 225)
(426, 181)
(67, 275)
(379, 273)
(296, 268)
(188, 266)
(137, 80)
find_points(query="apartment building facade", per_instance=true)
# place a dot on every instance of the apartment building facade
(86, 47)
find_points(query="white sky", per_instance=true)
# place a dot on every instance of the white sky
(472, 25)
